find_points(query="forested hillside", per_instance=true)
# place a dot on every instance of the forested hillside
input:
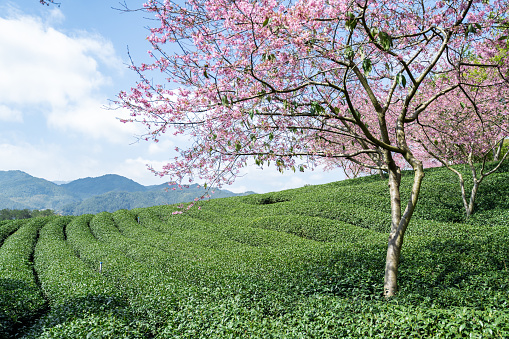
(302, 263)
(19, 190)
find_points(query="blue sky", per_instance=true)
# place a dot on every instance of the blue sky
(59, 68)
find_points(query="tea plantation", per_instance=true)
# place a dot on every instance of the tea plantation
(302, 263)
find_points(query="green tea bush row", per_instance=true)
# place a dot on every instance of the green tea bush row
(317, 205)
(92, 251)
(257, 236)
(62, 274)
(97, 307)
(8, 227)
(315, 228)
(145, 274)
(325, 317)
(303, 263)
(137, 249)
(349, 213)
(261, 279)
(20, 296)
(191, 253)
(439, 199)
(72, 288)
(180, 243)
(496, 217)
(464, 270)
(209, 229)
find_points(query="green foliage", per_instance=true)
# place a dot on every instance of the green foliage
(22, 195)
(63, 276)
(113, 201)
(42, 213)
(301, 263)
(7, 214)
(20, 296)
(8, 227)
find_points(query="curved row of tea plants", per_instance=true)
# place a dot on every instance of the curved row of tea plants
(84, 302)
(72, 288)
(20, 296)
(7, 227)
(302, 263)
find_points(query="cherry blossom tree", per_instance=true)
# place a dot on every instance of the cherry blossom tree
(466, 127)
(305, 83)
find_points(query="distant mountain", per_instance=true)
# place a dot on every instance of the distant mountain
(89, 187)
(115, 200)
(26, 191)
(10, 204)
(19, 190)
(60, 182)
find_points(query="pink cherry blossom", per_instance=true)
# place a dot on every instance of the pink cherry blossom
(299, 84)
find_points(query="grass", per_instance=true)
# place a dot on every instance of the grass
(301, 263)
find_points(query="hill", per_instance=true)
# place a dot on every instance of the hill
(19, 190)
(150, 196)
(89, 187)
(301, 263)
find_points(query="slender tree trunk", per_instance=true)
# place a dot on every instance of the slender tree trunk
(498, 152)
(399, 223)
(395, 237)
(469, 204)
(463, 193)
(470, 207)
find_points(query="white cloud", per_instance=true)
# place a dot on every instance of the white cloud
(136, 169)
(10, 114)
(55, 16)
(44, 65)
(270, 179)
(44, 161)
(164, 146)
(93, 119)
(59, 74)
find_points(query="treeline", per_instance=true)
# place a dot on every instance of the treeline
(7, 214)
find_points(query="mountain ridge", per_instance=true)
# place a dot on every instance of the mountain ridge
(109, 192)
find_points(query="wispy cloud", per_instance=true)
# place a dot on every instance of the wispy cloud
(10, 114)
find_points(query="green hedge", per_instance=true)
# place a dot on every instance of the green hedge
(7, 227)
(84, 302)
(20, 296)
(63, 275)
(302, 263)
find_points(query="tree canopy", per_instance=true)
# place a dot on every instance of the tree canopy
(303, 83)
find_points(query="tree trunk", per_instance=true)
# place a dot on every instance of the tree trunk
(470, 208)
(468, 205)
(498, 152)
(464, 194)
(395, 237)
(399, 223)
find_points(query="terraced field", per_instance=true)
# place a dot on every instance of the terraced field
(304, 263)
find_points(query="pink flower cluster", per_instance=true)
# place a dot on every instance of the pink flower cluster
(335, 82)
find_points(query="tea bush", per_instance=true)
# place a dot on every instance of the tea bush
(301, 263)
(7, 227)
(20, 296)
